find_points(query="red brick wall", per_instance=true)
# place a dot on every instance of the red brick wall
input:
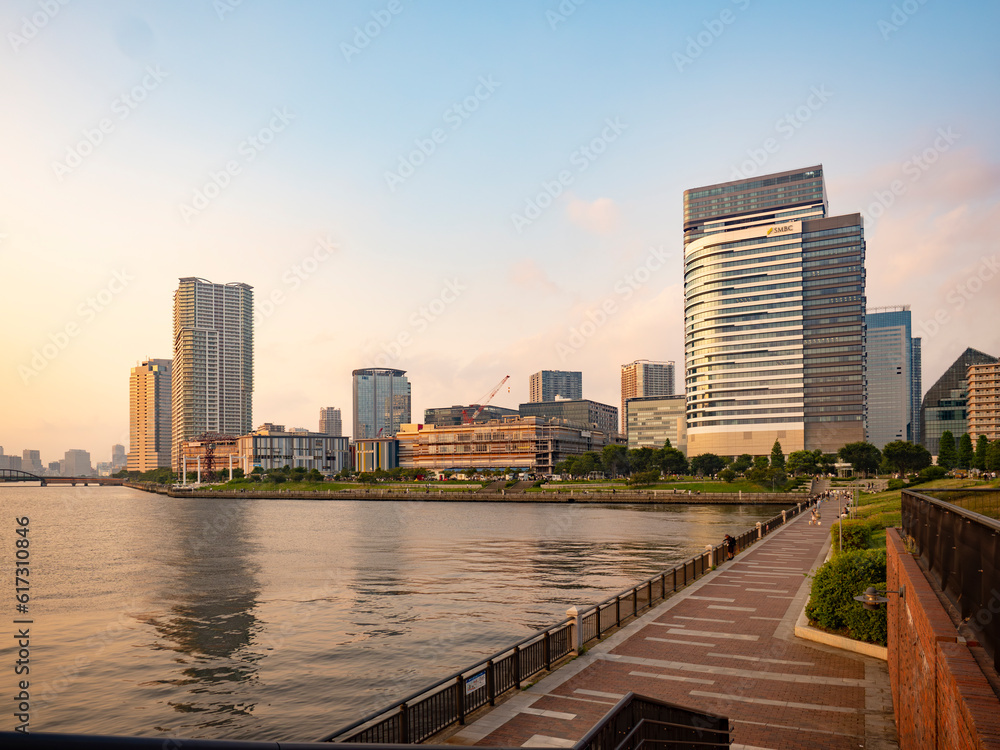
(940, 696)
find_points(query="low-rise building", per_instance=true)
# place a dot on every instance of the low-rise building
(652, 420)
(372, 454)
(272, 447)
(530, 444)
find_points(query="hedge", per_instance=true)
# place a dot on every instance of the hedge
(831, 604)
(857, 533)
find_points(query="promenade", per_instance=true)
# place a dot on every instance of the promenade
(724, 645)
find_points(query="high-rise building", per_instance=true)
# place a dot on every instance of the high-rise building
(149, 415)
(548, 385)
(330, 422)
(984, 401)
(893, 377)
(77, 464)
(381, 402)
(31, 461)
(118, 459)
(774, 303)
(212, 378)
(945, 403)
(644, 378)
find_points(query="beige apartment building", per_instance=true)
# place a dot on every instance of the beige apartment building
(983, 409)
(149, 415)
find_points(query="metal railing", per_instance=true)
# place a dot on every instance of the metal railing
(449, 701)
(633, 720)
(960, 549)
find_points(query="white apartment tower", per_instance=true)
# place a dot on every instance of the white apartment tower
(212, 380)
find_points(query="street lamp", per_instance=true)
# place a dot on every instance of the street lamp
(872, 600)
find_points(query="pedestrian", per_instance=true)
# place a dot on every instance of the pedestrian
(730, 547)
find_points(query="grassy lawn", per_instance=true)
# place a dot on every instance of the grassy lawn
(694, 486)
(400, 487)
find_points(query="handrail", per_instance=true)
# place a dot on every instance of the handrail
(403, 706)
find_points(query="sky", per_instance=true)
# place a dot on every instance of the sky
(460, 190)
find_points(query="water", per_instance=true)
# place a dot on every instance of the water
(286, 619)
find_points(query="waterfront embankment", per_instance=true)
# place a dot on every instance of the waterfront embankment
(678, 497)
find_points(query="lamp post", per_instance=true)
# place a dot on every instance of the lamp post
(872, 600)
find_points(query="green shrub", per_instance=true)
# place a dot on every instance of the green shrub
(857, 534)
(929, 474)
(831, 604)
(896, 484)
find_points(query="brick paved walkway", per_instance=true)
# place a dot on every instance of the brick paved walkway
(724, 645)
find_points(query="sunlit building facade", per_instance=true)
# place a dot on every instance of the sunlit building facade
(645, 378)
(945, 405)
(549, 385)
(149, 415)
(212, 378)
(381, 402)
(774, 296)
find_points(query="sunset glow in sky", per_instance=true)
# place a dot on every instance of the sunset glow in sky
(460, 190)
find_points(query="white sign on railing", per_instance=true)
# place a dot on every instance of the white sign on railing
(476, 682)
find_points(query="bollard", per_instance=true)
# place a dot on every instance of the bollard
(711, 555)
(760, 531)
(576, 629)
(783, 517)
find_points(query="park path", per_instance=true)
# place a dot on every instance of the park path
(724, 645)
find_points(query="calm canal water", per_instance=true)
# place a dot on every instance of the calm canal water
(285, 619)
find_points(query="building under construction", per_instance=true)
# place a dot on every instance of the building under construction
(451, 416)
(532, 444)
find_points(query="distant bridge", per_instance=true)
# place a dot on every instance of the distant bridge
(16, 475)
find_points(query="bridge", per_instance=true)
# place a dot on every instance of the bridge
(16, 475)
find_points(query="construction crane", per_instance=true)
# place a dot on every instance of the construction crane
(483, 402)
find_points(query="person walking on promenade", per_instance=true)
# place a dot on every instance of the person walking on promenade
(730, 547)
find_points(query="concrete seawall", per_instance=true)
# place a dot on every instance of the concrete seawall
(652, 497)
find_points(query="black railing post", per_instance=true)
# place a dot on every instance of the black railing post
(460, 699)
(547, 650)
(516, 663)
(491, 688)
(618, 611)
(635, 601)
(404, 725)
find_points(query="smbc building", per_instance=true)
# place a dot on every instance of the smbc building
(774, 307)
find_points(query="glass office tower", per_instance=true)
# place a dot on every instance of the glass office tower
(774, 301)
(893, 382)
(945, 407)
(381, 402)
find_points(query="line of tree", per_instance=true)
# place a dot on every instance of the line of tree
(618, 461)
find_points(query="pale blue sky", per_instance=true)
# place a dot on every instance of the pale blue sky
(869, 97)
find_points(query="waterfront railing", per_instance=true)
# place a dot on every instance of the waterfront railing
(958, 543)
(449, 701)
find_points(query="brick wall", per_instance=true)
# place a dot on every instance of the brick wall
(940, 695)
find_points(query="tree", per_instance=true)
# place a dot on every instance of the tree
(803, 462)
(673, 461)
(905, 457)
(367, 477)
(758, 473)
(644, 478)
(707, 464)
(947, 452)
(864, 457)
(981, 445)
(777, 456)
(993, 456)
(966, 454)
(827, 463)
(614, 459)
(641, 459)
(741, 463)
(727, 475)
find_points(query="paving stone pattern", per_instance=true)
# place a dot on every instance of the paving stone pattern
(724, 645)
